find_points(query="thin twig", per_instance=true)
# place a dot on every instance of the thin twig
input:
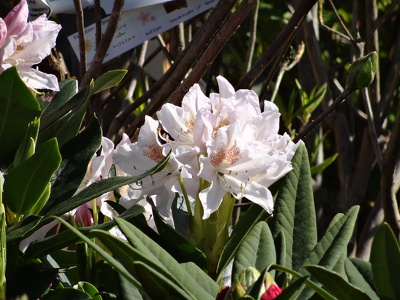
(278, 46)
(136, 72)
(382, 20)
(164, 48)
(81, 34)
(105, 42)
(388, 197)
(372, 128)
(253, 37)
(314, 123)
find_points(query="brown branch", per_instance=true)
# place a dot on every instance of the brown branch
(388, 197)
(104, 44)
(278, 46)
(314, 123)
(175, 74)
(205, 60)
(81, 34)
(97, 17)
(382, 20)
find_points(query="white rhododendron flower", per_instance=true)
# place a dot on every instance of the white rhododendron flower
(24, 44)
(220, 144)
(137, 158)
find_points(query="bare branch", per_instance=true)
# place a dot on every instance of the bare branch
(81, 34)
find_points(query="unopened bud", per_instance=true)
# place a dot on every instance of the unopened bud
(362, 71)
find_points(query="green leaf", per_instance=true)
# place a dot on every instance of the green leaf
(322, 166)
(156, 254)
(321, 292)
(385, 263)
(25, 184)
(97, 189)
(333, 244)
(335, 284)
(290, 292)
(18, 108)
(280, 249)
(130, 258)
(158, 286)
(179, 247)
(107, 257)
(255, 290)
(27, 148)
(76, 153)
(359, 274)
(3, 247)
(254, 215)
(205, 281)
(257, 250)
(42, 200)
(108, 80)
(65, 122)
(20, 229)
(294, 212)
(90, 289)
(68, 88)
(65, 238)
(67, 294)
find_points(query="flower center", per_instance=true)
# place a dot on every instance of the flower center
(224, 155)
(154, 152)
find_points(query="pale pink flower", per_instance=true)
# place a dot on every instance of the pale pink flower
(24, 44)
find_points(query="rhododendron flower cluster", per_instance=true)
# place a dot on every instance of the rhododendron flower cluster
(24, 44)
(219, 144)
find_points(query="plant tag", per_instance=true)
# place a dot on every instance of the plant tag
(141, 24)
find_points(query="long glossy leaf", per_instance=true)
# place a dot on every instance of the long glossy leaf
(67, 237)
(290, 292)
(154, 252)
(359, 274)
(157, 285)
(63, 108)
(68, 89)
(257, 250)
(68, 125)
(179, 247)
(67, 294)
(129, 257)
(385, 262)
(321, 292)
(18, 108)
(333, 244)
(254, 215)
(25, 184)
(20, 229)
(77, 153)
(111, 260)
(108, 80)
(336, 284)
(294, 212)
(206, 282)
(97, 189)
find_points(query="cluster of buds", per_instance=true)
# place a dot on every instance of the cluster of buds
(245, 285)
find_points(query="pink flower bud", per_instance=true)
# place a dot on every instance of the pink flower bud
(272, 292)
(17, 19)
